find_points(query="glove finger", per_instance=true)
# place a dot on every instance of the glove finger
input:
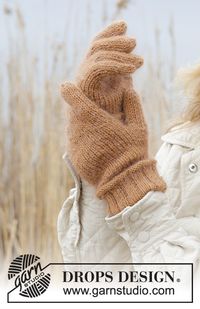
(73, 95)
(116, 28)
(87, 111)
(112, 67)
(81, 104)
(118, 57)
(132, 108)
(117, 43)
(105, 68)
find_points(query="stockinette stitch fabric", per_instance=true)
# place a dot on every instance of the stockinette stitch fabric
(110, 154)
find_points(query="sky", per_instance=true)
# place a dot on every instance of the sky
(79, 20)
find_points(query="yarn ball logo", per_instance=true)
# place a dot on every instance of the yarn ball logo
(28, 275)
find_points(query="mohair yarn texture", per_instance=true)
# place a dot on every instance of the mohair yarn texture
(105, 71)
(107, 150)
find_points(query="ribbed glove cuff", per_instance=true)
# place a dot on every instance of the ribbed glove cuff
(131, 186)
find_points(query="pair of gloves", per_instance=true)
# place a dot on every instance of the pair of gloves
(107, 136)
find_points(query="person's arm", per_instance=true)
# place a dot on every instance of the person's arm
(112, 156)
(148, 225)
(98, 77)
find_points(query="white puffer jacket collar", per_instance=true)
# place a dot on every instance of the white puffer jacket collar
(186, 135)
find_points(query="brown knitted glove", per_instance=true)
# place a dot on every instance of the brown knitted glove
(106, 69)
(109, 154)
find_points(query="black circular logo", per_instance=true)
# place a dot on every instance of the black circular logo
(28, 275)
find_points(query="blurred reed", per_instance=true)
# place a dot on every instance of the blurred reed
(34, 180)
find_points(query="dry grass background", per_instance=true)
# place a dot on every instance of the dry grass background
(34, 181)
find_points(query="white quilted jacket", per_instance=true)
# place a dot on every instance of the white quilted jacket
(161, 227)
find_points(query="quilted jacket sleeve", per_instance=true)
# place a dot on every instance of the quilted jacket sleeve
(154, 234)
(68, 222)
(151, 227)
(83, 233)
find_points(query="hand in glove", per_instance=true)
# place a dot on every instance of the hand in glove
(109, 154)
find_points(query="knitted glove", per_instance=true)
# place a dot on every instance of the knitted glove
(106, 69)
(109, 154)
